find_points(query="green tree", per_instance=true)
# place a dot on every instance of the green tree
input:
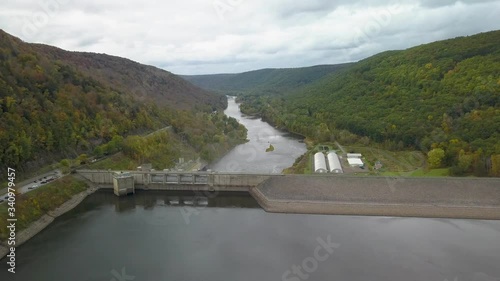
(82, 159)
(495, 165)
(65, 165)
(435, 157)
(323, 133)
(465, 161)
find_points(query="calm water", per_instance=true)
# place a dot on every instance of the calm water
(155, 236)
(151, 240)
(252, 157)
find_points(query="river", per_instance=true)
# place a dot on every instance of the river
(251, 157)
(155, 236)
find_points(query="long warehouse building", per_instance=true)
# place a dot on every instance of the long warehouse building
(334, 163)
(320, 163)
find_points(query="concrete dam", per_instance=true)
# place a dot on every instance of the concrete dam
(153, 180)
(460, 198)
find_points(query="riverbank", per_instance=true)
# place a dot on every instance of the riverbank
(457, 198)
(45, 220)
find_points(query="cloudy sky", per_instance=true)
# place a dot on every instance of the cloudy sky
(222, 36)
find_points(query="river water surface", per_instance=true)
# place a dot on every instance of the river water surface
(155, 236)
(251, 157)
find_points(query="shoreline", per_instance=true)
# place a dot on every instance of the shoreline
(37, 226)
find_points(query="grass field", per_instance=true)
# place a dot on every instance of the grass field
(431, 173)
(302, 165)
(392, 161)
(444, 172)
(117, 161)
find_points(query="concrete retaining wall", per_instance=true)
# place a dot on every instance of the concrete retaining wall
(180, 187)
(239, 180)
(367, 209)
(98, 177)
(457, 198)
(157, 180)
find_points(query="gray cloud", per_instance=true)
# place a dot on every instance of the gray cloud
(213, 36)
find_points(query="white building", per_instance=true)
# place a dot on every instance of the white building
(354, 155)
(334, 163)
(355, 162)
(320, 163)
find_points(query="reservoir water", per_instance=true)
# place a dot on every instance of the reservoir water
(155, 236)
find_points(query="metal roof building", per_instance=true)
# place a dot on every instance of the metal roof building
(355, 162)
(334, 163)
(354, 155)
(320, 163)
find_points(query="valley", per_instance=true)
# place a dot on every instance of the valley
(441, 100)
(250, 140)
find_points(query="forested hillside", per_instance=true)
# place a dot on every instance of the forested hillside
(264, 81)
(441, 98)
(144, 82)
(52, 109)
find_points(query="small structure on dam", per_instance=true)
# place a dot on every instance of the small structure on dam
(123, 184)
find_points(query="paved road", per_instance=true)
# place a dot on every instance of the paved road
(30, 184)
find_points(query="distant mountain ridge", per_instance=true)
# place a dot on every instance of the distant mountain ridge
(263, 81)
